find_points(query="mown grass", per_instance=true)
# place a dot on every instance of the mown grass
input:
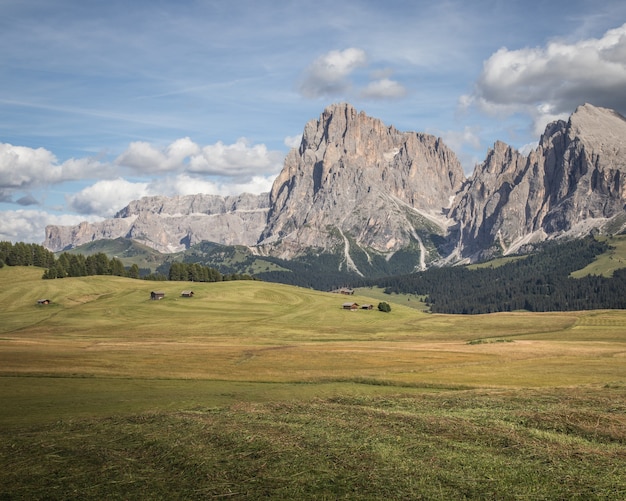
(448, 445)
(263, 391)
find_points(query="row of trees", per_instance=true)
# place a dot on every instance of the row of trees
(194, 272)
(23, 254)
(77, 265)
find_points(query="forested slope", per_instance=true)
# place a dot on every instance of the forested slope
(538, 282)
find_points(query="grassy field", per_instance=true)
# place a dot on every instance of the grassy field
(252, 390)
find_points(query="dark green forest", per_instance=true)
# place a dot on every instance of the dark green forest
(23, 254)
(537, 282)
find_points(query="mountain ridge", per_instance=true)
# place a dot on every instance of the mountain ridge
(367, 192)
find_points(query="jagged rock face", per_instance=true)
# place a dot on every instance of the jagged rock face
(573, 181)
(352, 175)
(357, 182)
(170, 224)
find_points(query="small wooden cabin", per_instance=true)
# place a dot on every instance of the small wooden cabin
(187, 294)
(43, 301)
(350, 306)
(156, 295)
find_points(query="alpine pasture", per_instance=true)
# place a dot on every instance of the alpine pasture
(252, 390)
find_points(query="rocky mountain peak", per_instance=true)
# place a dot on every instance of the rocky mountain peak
(572, 182)
(355, 179)
(370, 193)
(597, 124)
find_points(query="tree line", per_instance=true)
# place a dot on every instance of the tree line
(23, 254)
(194, 272)
(537, 282)
(78, 265)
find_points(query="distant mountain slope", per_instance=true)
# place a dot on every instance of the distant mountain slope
(172, 224)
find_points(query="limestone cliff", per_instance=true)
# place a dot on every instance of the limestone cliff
(356, 187)
(356, 181)
(170, 224)
(571, 183)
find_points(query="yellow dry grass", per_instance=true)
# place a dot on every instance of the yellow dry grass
(253, 331)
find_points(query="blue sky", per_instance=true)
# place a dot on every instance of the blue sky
(105, 102)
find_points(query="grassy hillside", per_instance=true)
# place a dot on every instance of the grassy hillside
(253, 390)
(608, 262)
(127, 251)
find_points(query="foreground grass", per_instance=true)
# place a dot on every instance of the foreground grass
(262, 391)
(538, 444)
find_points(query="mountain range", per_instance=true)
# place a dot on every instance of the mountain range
(372, 197)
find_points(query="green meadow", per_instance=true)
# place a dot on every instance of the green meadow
(253, 390)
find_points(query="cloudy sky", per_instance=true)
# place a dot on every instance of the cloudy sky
(103, 102)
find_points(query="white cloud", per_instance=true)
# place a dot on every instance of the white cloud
(527, 148)
(256, 185)
(183, 184)
(105, 198)
(328, 74)
(550, 82)
(30, 225)
(143, 157)
(465, 143)
(544, 114)
(293, 141)
(236, 160)
(384, 89)
(22, 167)
(231, 160)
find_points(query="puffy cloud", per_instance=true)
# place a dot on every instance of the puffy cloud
(455, 139)
(144, 157)
(22, 167)
(105, 198)
(549, 82)
(256, 185)
(465, 143)
(182, 184)
(328, 74)
(236, 160)
(231, 160)
(30, 225)
(383, 89)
